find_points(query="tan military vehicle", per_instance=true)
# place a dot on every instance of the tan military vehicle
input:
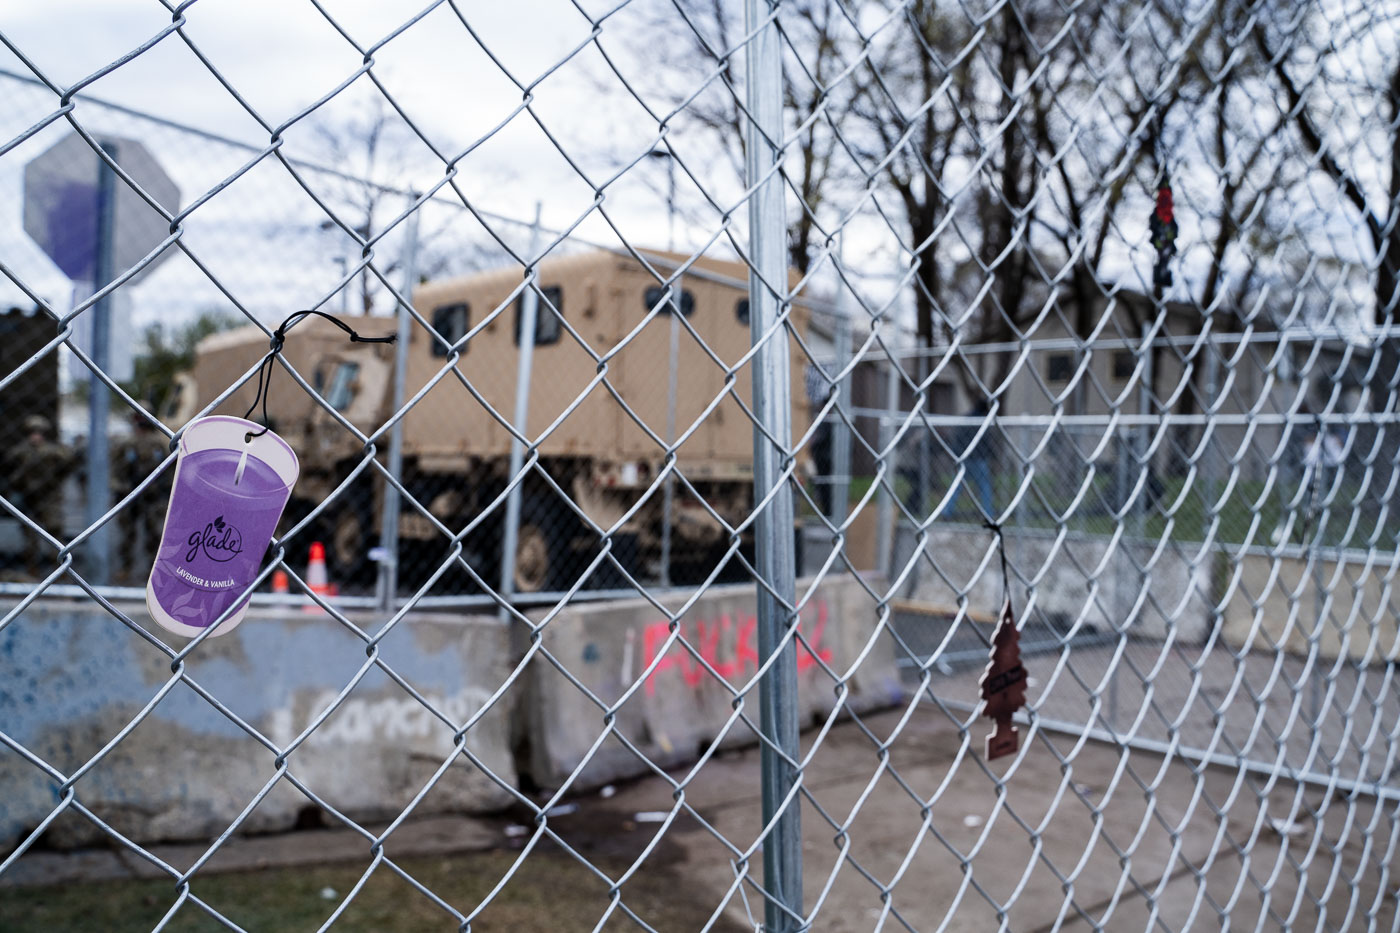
(598, 411)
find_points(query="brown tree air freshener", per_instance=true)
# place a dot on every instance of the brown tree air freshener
(1004, 685)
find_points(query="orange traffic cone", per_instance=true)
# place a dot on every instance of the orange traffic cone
(279, 581)
(316, 576)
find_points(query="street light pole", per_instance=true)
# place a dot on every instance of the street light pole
(344, 289)
(327, 226)
(388, 582)
(670, 195)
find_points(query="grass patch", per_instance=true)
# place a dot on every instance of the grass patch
(1251, 513)
(550, 893)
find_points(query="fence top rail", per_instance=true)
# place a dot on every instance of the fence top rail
(1356, 341)
(1129, 420)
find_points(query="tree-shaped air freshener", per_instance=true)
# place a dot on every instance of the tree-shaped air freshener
(1004, 685)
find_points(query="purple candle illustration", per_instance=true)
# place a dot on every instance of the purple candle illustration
(228, 495)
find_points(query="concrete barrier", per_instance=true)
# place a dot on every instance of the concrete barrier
(72, 677)
(1278, 601)
(1073, 577)
(681, 706)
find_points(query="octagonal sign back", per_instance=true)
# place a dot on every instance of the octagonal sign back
(60, 205)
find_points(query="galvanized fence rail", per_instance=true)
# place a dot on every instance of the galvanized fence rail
(1086, 307)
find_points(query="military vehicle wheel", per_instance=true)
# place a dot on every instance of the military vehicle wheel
(347, 547)
(531, 560)
(540, 547)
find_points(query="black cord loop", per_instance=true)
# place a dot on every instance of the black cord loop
(279, 338)
(995, 528)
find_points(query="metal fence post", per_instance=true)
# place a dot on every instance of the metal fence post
(1143, 442)
(668, 490)
(774, 526)
(885, 527)
(1210, 487)
(1209, 452)
(1315, 636)
(99, 488)
(1317, 506)
(389, 520)
(529, 310)
(840, 430)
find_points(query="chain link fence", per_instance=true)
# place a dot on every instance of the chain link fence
(748, 357)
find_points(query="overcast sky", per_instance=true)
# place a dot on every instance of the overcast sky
(281, 56)
(261, 237)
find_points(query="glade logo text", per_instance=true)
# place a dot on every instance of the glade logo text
(220, 542)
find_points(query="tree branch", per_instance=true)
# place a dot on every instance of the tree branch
(1312, 138)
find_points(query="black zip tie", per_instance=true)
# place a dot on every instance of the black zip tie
(995, 528)
(279, 337)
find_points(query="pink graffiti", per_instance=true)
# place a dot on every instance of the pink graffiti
(706, 637)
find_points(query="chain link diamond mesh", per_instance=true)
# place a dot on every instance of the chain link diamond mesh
(679, 573)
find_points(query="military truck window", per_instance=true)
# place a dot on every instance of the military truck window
(342, 391)
(172, 401)
(452, 322)
(741, 311)
(1123, 363)
(1058, 369)
(656, 294)
(547, 323)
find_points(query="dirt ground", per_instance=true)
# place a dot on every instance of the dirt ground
(1070, 835)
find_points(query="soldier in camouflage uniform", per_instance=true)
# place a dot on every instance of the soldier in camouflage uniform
(37, 468)
(135, 458)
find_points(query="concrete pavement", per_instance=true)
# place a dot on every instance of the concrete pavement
(1070, 835)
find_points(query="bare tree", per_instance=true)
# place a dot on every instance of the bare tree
(1378, 210)
(699, 76)
(376, 155)
(957, 116)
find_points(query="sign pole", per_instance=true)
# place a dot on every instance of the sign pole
(99, 489)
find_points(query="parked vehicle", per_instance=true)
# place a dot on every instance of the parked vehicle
(599, 407)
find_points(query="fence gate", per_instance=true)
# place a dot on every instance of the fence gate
(770, 465)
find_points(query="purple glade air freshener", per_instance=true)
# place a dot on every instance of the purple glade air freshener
(229, 491)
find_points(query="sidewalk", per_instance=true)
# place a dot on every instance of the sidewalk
(1098, 842)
